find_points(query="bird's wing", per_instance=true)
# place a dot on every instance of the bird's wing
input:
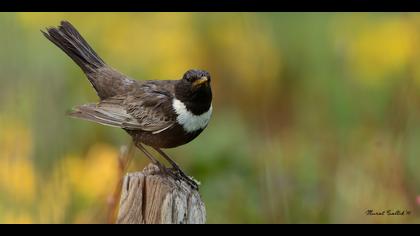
(147, 111)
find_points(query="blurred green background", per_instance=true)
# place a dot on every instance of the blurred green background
(316, 115)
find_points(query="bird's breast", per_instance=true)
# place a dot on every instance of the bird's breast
(189, 121)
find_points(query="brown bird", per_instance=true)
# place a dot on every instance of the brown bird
(157, 113)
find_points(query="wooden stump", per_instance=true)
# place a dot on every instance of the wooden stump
(150, 197)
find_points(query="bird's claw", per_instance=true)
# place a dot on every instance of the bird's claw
(186, 178)
(180, 175)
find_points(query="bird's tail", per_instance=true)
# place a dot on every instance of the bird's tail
(75, 46)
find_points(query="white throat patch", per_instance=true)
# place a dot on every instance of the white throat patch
(188, 120)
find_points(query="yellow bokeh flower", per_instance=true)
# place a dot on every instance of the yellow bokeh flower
(17, 175)
(15, 218)
(97, 174)
(376, 50)
(54, 197)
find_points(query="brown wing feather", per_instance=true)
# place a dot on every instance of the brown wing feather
(149, 109)
(107, 115)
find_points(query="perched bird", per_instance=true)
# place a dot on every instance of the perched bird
(157, 113)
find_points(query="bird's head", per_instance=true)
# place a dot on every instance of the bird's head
(196, 79)
(194, 88)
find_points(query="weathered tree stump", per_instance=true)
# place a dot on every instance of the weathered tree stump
(151, 197)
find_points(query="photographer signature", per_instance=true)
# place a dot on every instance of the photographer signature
(371, 212)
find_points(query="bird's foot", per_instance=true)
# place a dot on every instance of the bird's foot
(180, 175)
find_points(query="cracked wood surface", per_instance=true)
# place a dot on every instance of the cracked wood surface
(150, 197)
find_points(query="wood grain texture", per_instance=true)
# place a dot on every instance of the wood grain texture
(150, 197)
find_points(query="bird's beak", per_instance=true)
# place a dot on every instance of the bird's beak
(199, 82)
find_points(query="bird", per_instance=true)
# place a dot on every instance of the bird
(160, 114)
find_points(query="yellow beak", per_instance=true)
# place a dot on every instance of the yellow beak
(199, 82)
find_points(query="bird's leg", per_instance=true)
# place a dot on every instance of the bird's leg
(172, 162)
(148, 155)
(189, 180)
(155, 161)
